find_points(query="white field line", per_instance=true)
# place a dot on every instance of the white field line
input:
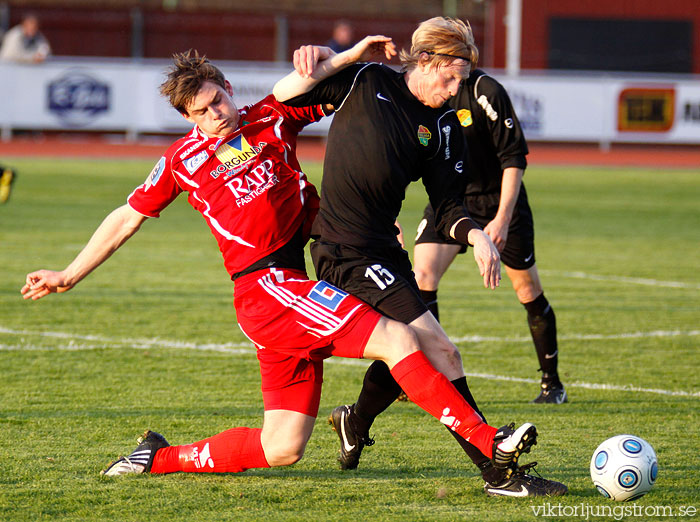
(589, 386)
(579, 337)
(623, 279)
(98, 341)
(91, 342)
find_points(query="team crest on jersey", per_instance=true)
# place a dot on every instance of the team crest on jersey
(327, 295)
(155, 174)
(423, 135)
(465, 117)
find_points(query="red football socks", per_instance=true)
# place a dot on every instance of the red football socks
(231, 451)
(431, 390)
(239, 449)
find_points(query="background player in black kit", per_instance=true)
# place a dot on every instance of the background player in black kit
(496, 199)
(390, 128)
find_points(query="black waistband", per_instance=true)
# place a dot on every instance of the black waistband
(290, 255)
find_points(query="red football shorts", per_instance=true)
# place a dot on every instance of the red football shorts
(296, 323)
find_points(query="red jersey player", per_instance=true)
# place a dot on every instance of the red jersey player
(240, 172)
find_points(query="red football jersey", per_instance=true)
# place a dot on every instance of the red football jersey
(248, 186)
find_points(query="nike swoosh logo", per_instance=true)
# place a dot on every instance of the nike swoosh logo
(528, 258)
(346, 445)
(522, 493)
(551, 356)
(381, 97)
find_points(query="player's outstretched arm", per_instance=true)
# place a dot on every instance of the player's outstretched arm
(116, 228)
(486, 257)
(314, 63)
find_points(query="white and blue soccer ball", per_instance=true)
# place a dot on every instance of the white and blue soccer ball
(624, 467)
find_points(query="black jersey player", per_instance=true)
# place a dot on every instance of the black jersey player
(391, 128)
(496, 199)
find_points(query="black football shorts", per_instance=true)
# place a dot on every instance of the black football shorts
(381, 277)
(519, 252)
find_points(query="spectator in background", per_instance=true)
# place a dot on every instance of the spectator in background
(24, 43)
(342, 37)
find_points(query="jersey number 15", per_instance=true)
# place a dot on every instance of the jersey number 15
(380, 275)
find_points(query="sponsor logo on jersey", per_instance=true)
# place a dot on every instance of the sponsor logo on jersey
(446, 131)
(193, 163)
(250, 185)
(327, 295)
(465, 117)
(490, 112)
(155, 174)
(459, 166)
(192, 148)
(234, 154)
(423, 135)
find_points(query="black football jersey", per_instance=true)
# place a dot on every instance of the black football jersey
(492, 130)
(381, 139)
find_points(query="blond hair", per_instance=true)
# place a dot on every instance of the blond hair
(186, 76)
(442, 39)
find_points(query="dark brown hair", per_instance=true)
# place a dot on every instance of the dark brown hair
(186, 76)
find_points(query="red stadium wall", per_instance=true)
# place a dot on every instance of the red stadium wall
(235, 35)
(536, 15)
(222, 35)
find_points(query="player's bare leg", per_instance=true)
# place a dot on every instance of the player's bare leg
(285, 435)
(431, 261)
(526, 283)
(437, 347)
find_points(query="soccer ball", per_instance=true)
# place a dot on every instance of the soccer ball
(624, 467)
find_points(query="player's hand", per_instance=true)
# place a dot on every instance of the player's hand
(372, 48)
(307, 57)
(44, 282)
(486, 257)
(498, 232)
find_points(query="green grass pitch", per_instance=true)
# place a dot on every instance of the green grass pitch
(150, 341)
